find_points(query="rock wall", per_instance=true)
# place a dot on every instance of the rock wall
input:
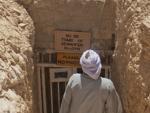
(95, 16)
(16, 65)
(131, 67)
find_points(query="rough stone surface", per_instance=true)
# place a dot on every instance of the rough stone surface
(131, 68)
(16, 66)
(94, 16)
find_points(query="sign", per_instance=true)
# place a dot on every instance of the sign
(72, 41)
(68, 59)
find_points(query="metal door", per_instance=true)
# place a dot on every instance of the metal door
(58, 81)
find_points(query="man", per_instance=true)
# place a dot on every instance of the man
(88, 92)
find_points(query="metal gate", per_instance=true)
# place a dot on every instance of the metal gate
(58, 80)
(52, 81)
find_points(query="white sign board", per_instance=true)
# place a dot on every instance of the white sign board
(72, 41)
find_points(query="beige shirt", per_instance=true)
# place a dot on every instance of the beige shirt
(86, 95)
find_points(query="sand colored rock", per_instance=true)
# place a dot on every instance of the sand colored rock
(94, 16)
(131, 58)
(16, 65)
(130, 69)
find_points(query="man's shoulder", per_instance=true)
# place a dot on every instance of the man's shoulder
(106, 80)
(107, 83)
(75, 78)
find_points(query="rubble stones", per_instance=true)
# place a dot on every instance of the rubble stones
(16, 42)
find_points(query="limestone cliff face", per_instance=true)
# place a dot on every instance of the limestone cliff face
(131, 67)
(16, 66)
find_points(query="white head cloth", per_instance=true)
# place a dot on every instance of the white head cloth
(91, 63)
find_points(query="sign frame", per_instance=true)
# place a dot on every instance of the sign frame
(72, 41)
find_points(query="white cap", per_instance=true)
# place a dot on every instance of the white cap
(91, 63)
